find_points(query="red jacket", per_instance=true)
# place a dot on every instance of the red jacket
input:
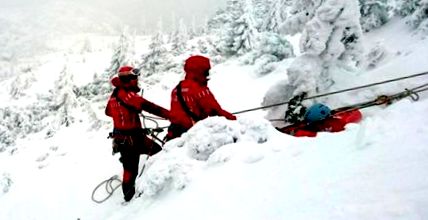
(196, 94)
(335, 123)
(125, 104)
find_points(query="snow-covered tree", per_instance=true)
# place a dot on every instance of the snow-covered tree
(277, 14)
(416, 12)
(270, 48)
(374, 13)
(122, 54)
(240, 32)
(18, 122)
(300, 13)
(334, 35)
(192, 30)
(178, 44)
(260, 9)
(65, 98)
(95, 121)
(157, 59)
(216, 22)
(202, 46)
(419, 17)
(179, 39)
(330, 39)
(98, 89)
(226, 42)
(7, 136)
(87, 46)
(20, 84)
(406, 7)
(5, 183)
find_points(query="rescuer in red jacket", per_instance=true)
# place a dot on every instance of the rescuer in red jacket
(192, 100)
(128, 136)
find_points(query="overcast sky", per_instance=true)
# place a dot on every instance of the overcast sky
(28, 26)
(137, 13)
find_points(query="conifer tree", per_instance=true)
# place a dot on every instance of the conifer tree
(416, 13)
(260, 8)
(406, 7)
(157, 59)
(122, 54)
(374, 13)
(20, 84)
(240, 32)
(179, 39)
(18, 122)
(5, 183)
(300, 13)
(100, 87)
(65, 98)
(216, 22)
(331, 38)
(277, 15)
(334, 36)
(202, 46)
(419, 17)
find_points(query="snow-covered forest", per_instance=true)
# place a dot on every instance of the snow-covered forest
(57, 60)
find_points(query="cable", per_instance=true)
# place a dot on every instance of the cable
(383, 99)
(336, 92)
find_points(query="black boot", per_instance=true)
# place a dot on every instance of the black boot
(128, 192)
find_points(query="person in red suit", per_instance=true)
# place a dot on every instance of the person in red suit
(319, 118)
(124, 106)
(192, 100)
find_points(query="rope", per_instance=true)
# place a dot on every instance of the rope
(109, 188)
(336, 92)
(109, 185)
(380, 100)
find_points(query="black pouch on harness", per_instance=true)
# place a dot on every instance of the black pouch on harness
(115, 146)
(118, 142)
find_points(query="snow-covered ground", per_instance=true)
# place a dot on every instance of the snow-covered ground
(376, 169)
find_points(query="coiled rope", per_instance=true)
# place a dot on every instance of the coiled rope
(108, 187)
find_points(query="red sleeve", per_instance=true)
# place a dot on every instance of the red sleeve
(107, 110)
(210, 106)
(155, 109)
(133, 100)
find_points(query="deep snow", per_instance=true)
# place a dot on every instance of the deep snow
(374, 170)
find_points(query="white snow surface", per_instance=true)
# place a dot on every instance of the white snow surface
(243, 169)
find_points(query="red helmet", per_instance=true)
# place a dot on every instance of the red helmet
(128, 70)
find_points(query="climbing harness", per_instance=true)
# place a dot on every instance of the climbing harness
(340, 91)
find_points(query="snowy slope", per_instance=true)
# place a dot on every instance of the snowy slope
(373, 170)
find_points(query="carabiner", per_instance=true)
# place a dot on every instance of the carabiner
(413, 95)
